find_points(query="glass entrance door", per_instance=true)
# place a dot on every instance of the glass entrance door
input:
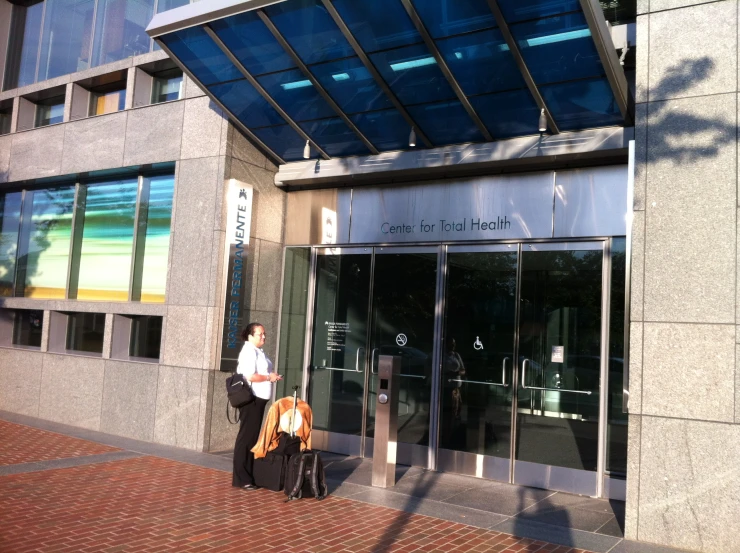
(370, 302)
(521, 364)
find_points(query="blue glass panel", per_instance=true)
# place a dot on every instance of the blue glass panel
(481, 62)
(508, 114)
(335, 137)
(351, 85)
(10, 218)
(523, 10)
(120, 30)
(582, 104)
(246, 104)
(201, 56)
(156, 239)
(558, 49)
(296, 95)
(66, 38)
(413, 74)
(378, 25)
(445, 123)
(284, 141)
(386, 129)
(451, 17)
(164, 5)
(252, 43)
(25, 72)
(310, 30)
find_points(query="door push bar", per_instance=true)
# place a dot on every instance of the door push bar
(503, 383)
(525, 387)
(373, 371)
(355, 370)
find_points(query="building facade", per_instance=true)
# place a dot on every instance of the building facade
(534, 209)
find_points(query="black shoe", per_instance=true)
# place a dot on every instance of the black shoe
(250, 487)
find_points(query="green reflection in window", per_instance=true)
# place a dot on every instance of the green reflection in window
(157, 239)
(107, 241)
(45, 236)
(10, 213)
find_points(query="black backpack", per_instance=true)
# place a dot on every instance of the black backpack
(305, 476)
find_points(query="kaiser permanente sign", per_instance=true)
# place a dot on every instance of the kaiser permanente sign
(238, 224)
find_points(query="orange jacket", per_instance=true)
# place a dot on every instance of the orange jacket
(279, 420)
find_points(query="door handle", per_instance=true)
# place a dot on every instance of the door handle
(525, 387)
(372, 361)
(503, 373)
(357, 359)
(503, 383)
(413, 376)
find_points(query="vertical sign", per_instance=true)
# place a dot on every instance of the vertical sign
(236, 300)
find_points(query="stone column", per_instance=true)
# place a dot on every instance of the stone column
(683, 480)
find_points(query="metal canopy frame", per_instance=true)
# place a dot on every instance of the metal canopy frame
(201, 13)
(314, 81)
(328, 4)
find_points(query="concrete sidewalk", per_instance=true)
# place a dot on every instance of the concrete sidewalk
(69, 489)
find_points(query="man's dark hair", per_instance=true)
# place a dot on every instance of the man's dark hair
(249, 331)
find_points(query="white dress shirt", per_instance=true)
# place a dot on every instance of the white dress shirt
(253, 360)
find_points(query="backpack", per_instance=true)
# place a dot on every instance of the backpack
(305, 476)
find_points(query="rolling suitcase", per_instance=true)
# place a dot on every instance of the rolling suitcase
(270, 470)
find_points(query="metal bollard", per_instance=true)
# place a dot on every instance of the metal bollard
(386, 422)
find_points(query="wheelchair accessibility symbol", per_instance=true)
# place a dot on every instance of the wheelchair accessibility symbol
(401, 340)
(477, 345)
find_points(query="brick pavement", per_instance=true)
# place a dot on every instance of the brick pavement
(23, 444)
(150, 504)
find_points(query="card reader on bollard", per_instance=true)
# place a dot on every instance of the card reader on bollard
(386, 422)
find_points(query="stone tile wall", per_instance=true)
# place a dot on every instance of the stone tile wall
(683, 481)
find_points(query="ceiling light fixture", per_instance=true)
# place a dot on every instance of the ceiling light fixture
(412, 137)
(543, 121)
(307, 150)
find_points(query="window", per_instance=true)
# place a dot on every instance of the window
(65, 44)
(107, 241)
(27, 327)
(107, 102)
(49, 112)
(167, 86)
(6, 113)
(146, 336)
(23, 46)
(120, 29)
(10, 218)
(43, 252)
(85, 332)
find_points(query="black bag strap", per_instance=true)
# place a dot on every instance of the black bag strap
(236, 413)
(318, 479)
(299, 481)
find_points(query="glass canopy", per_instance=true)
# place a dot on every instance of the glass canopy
(354, 78)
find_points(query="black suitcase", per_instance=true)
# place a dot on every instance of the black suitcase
(269, 471)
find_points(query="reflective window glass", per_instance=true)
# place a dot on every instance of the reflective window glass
(582, 104)
(378, 25)
(67, 37)
(10, 217)
(50, 112)
(350, 85)
(156, 239)
(201, 56)
(616, 428)
(247, 105)
(27, 327)
(252, 43)
(167, 86)
(558, 49)
(413, 74)
(310, 30)
(451, 17)
(508, 114)
(120, 29)
(524, 10)
(446, 123)
(284, 141)
(164, 5)
(6, 114)
(296, 95)
(146, 337)
(107, 102)
(23, 46)
(481, 62)
(335, 137)
(44, 244)
(386, 129)
(85, 332)
(107, 241)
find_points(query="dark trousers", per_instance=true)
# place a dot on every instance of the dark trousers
(249, 430)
